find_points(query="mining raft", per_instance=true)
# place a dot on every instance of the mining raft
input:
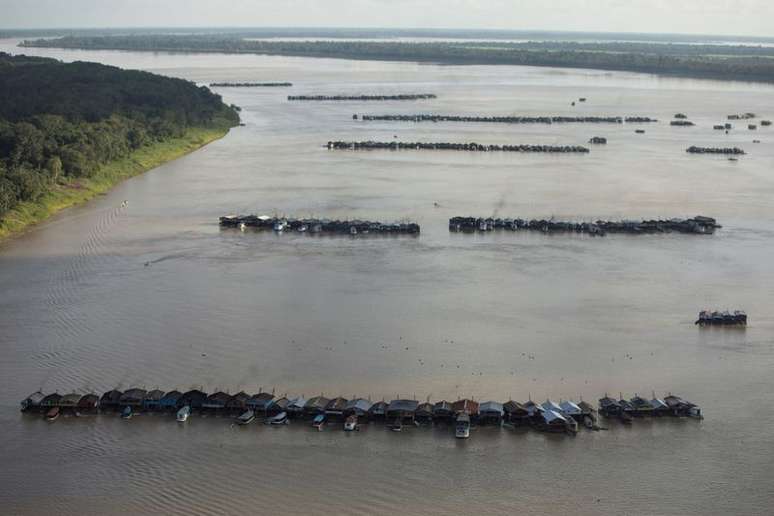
(243, 408)
(318, 226)
(696, 225)
(724, 318)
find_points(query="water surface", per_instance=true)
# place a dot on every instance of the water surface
(442, 315)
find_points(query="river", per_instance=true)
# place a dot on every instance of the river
(154, 293)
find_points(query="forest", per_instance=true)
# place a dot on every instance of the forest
(62, 122)
(716, 61)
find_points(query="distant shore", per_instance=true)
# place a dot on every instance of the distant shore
(707, 61)
(78, 191)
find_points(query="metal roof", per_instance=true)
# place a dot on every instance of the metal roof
(133, 394)
(172, 395)
(112, 396)
(425, 409)
(491, 407)
(550, 405)
(318, 402)
(465, 405)
(378, 408)
(262, 400)
(403, 406)
(154, 395)
(359, 404)
(658, 404)
(336, 404)
(570, 408)
(218, 398)
(551, 416)
(88, 400)
(70, 399)
(297, 403)
(35, 398)
(514, 406)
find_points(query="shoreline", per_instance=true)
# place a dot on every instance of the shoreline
(27, 215)
(439, 59)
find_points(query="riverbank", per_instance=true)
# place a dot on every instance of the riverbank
(78, 191)
(704, 61)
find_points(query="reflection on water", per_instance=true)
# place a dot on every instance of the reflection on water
(155, 294)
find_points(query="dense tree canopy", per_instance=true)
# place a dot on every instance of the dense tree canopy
(62, 121)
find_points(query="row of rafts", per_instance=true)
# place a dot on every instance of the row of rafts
(696, 225)
(320, 412)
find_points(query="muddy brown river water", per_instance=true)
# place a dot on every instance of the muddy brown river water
(444, 315)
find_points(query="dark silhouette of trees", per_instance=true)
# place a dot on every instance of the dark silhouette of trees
(61, 121)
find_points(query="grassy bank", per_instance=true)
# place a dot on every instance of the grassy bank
(79, 191)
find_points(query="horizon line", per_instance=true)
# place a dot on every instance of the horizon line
(379, 28)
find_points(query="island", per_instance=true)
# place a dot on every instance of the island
(70, 131)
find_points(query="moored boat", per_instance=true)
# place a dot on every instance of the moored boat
(183, 413)
(127, 412)
(279, 419)
(52, 414)
(397, 425)
(462, 426)
(319, 421)
(350, 424)
(246, 418)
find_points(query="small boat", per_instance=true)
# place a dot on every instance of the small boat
(52, 414)
(246, 418)
(183, 413)
(127, 413)
(396, 426)
(639, 131)
(319, 421)
(462, 428)
(280, 226)
(351, 424)
(279, 419)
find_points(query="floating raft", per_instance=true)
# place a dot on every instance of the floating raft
(506, 119)
(696, 225)
(725, 318)
(468, 147)
(412, 96)
(714, 150)
(349, 227)
(549, 416)
(250, 84)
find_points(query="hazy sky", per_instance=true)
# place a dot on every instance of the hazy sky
(738, 17)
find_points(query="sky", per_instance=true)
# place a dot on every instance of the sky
(723, 17)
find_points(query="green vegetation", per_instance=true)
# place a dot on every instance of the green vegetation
(733, 62)
(71, 131)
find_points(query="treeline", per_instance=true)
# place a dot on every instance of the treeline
(60, 122)
(754, 63)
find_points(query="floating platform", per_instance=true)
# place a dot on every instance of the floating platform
(506, 119)
(714, 150)
(251, 84)
(318, 226)
(467, 147)
(696, 225)
(410, 96)
(242, 408)
(724, 318)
